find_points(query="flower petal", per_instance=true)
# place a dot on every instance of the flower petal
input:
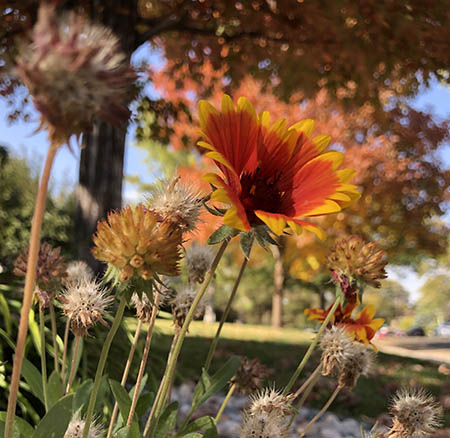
(276, 222)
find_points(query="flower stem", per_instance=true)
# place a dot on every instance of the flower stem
(322, 411)
(144, 358)
(308, 380)
(165, 383)
(74, 363)
(43, 357)
(225, 402)
(312, 346)
(125, 376)
(101, 364)
(30, 280)
(54, 337)
(64, 358)
(213, 346)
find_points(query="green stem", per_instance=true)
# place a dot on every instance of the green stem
(312, 346)
(173, 360)
(225, 402)
(101, 364)
(54, 337)
(213, 346)
(64, 358)
(308, 380)
(74, 363)
(43, 357)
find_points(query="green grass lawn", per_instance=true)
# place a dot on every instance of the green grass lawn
(281, 350)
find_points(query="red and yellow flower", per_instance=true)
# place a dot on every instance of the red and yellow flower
(362, 328)
(270, 173)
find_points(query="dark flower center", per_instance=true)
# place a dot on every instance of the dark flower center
(260, 193)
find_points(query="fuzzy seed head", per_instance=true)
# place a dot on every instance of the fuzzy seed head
(85, 304)
(76, 427)
(181, 305)
(250, 375)
(352, 257)
(198, 261)
(75, 72)
(134, 241)
(270, 401)
(336, 350)
(358, 362)
(264, 425)
(176, 203)
(78, 271)
(416, 414)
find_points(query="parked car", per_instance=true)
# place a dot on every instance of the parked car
(416, 331)
(443, 329)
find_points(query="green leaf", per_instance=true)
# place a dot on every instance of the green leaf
(202, 423)
(167, 421)
(223, 233)
(33, 378)
(193, 435)
(144, 403)
(207, 385)
(21, 428)
(4, 308)
(82, 395)
(214, 210)
(122, 398)
(55, 422)
(128, 432)
(54, 388)
(8, 340)
(211, 433)
(246, 243)
(263, 236)
(33, 328)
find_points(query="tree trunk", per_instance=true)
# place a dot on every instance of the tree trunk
(100, 183)
(278, 284)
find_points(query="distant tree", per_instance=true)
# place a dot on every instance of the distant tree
(433, 305)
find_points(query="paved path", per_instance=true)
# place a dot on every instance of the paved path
(436, 349)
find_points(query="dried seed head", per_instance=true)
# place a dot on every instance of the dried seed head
(144, 307)
(135, 242)
(250, 375)
(75, 72)
(353, 258)
(78, 271)
(76, 427)
(181, 305)
(198, 260)
(358, 362)
(270, 401)
(416, 414)
(50, 271)
(336, 349)
(264, 425)
(176, 203)
(84, 304)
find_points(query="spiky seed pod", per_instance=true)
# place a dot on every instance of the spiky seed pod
(250, 375)
(416, 414)
(144, 307)
(134, 241)
(76, 427)
(264, 425)
(336, 349)
(50, 271)
(358, 362)
(270, 401)
(84, 304)
(181, 305)
(75, 72)
(352, 257)
(78, 271)
(176, 203)
(198, 261)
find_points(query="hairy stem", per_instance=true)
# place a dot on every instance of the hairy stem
(64, 358)
(308, 381)
(54, 337)
(101, 364)
(144, 359)
(321, 412)
(126, 371)
(74, 363)
(173, 361)
(30, 280)
(43, 357)
(213, 346)
(225, 402)
(312, 346)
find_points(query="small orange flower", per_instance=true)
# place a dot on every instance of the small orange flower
(270, 173)
(362, 328)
